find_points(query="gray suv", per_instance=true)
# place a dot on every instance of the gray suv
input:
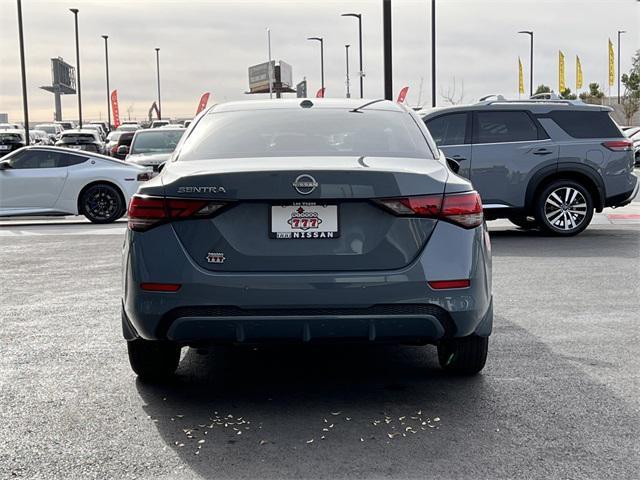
(539, 163)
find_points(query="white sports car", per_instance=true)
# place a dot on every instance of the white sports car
(60, 181)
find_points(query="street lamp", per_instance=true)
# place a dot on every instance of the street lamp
(433, 53)
(158, 71)
(75, 15)
(530, 33)
(321, 40)
(25, 106)
(346, 49)
(619, 72)
(361, 73)
(106, 57)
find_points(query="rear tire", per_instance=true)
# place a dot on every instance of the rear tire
(524, 222)
(153, 361)
(464, 355)
(564, 208)
(102, 203)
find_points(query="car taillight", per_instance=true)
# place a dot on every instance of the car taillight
(464, 209)
(449, 284)
(144, 176)
(618, 145)
(146, 212)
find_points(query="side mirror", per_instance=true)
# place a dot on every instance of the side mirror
(5, 165)
(123, 150)
(161, 166)
(454, 165)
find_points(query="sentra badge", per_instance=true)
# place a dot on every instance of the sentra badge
(216, 189)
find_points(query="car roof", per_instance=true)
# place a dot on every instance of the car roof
(289, 103)
(79, 130)
(535, 106)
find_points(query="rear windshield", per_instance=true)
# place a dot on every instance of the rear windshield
(585, 124)
(305, 132)
(47, 128)
(10, 137)
(157, 141)
(114, 136)
(78, 137)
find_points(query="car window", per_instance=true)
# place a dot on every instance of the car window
(158, 141)
(448, 129)
(78, 137)
(585, 124)
(504, 126)
(38, 159)
(306, 132)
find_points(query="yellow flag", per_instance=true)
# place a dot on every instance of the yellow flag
(561, 84)
(578, 73)
(612, 69)
(520, 77)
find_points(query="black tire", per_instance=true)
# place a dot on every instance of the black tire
(102, 203)
(524, 222)
(464, 355)
(564, 208)
(153, 361)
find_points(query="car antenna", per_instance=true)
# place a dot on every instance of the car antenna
(357, 109)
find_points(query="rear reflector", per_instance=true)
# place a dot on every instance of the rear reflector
(146, 212)
(464, 209)
(619, 145)
(448, 284)
(160, 287)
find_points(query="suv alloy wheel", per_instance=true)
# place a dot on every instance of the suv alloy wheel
(564, 208)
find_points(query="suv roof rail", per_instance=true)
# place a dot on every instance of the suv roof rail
(531, 101)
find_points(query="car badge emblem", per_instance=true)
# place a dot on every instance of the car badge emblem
(305, 184)
(215, 257)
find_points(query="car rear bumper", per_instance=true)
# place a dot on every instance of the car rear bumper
(386, 306)
(625, 198)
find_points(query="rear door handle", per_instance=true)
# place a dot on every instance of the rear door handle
(459, 158)
(542, 151)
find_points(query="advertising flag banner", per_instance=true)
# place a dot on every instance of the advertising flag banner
(204, 99)
(578, 73)
(520, 77)
(403, 94)
(114, 108)
(320, 93)
(561, 84)
(612, 68)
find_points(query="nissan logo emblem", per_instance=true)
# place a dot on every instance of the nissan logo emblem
(305, 184)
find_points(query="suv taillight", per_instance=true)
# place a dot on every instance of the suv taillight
(618, 145)
(464, 209)
(146, 212)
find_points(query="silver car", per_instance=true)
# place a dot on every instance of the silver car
(306, 221)
(152, 147)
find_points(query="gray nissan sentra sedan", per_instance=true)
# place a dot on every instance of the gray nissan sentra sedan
(308, 221)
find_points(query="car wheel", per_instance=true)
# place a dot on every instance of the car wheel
(523, 221)
(153, 360)
(102, 203)
(464, 355)
(564, 208)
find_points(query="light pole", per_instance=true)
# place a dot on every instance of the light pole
(106, 58)
(158, 72)
(387, 49)
(361, 73)
(619, 72)
(321, 40)
(346, 49)
(269, 73)
(75, 16)
(25, 106)
(433, 53)
(530, 33)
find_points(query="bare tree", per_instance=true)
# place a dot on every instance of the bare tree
(129, 110)
(453, 95)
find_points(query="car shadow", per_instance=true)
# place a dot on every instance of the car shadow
(385, 411)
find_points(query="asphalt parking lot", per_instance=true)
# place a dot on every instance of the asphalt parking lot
(559, 398)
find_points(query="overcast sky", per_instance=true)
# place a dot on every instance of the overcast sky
(207, 45)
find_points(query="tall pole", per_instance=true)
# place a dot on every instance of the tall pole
(346, 49)
(619, 72)
(269, 64)
(106, 58)
(433, 53)
(25, 106)
(75, 15)
(361, 72)
(321, 40)
(158, 71)
(388, 64)
(530, 33)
